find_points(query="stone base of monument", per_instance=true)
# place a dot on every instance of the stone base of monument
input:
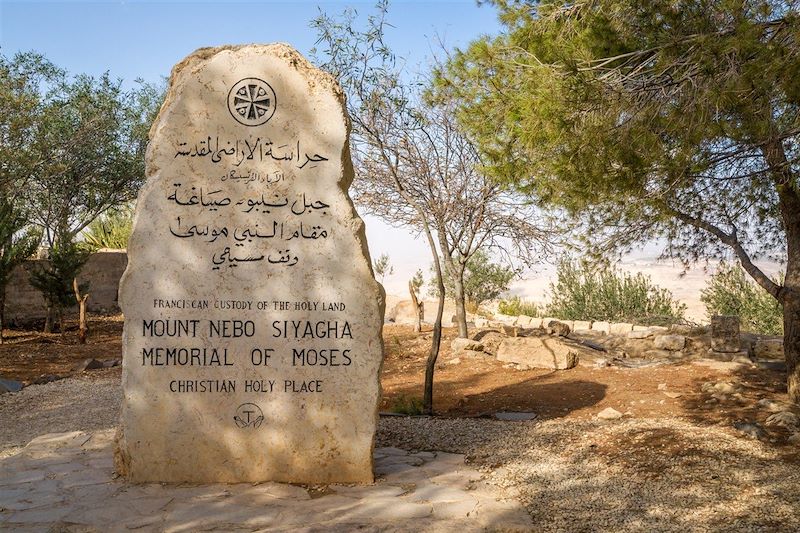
(67, 482)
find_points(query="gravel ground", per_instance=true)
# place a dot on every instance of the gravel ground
(630, 475)
(625, 475)
(87, 402)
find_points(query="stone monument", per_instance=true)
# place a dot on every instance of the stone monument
(252, 343)
(725, 333)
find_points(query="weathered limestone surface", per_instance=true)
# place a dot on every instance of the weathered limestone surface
(252, 343)
(769, 348)
(581, 325)
(537, 352)
(672, 343)
(620, 328)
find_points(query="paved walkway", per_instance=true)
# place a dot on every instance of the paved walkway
(64, 482)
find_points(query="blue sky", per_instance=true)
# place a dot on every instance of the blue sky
(133, 39)
(144, 39)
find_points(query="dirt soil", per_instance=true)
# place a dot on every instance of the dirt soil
(472, 387)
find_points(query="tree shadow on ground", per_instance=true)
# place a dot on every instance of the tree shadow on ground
(746, 402)
(535, 394)
(626, 475)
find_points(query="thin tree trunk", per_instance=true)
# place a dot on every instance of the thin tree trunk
(430, 365)
(2, 312)
(83, 327)
(461, 307)
(48, 318)
(419, 309)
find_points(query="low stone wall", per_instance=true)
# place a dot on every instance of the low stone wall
(103, 271)
(613, 328)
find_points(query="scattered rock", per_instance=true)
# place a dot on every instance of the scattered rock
(639, 334)
(9, 385)
(475, 354)
(725, 333)
(769, 349)
(749, 428)
(609, 413)
(785, 419)
(794, 438)
(537, 352)
(772, 406)
(459, 345)
(721, 387)
(112, 363)
(88, 364)
(673, 395)
(454, 361)
(662, 386)
(560, 329)
(672, 343)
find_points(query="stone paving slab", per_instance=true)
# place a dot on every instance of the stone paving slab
(66, 482)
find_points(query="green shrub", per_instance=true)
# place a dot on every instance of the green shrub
(516, 306)
(483, 281)
(604, 293)
(407, 406)
(730, 292)
(110, 230)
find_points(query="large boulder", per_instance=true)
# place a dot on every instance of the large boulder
(537, 352)
(725, 333)
(490, 339)
(768, 349)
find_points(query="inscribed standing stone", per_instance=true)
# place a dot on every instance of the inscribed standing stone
(252, 344)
